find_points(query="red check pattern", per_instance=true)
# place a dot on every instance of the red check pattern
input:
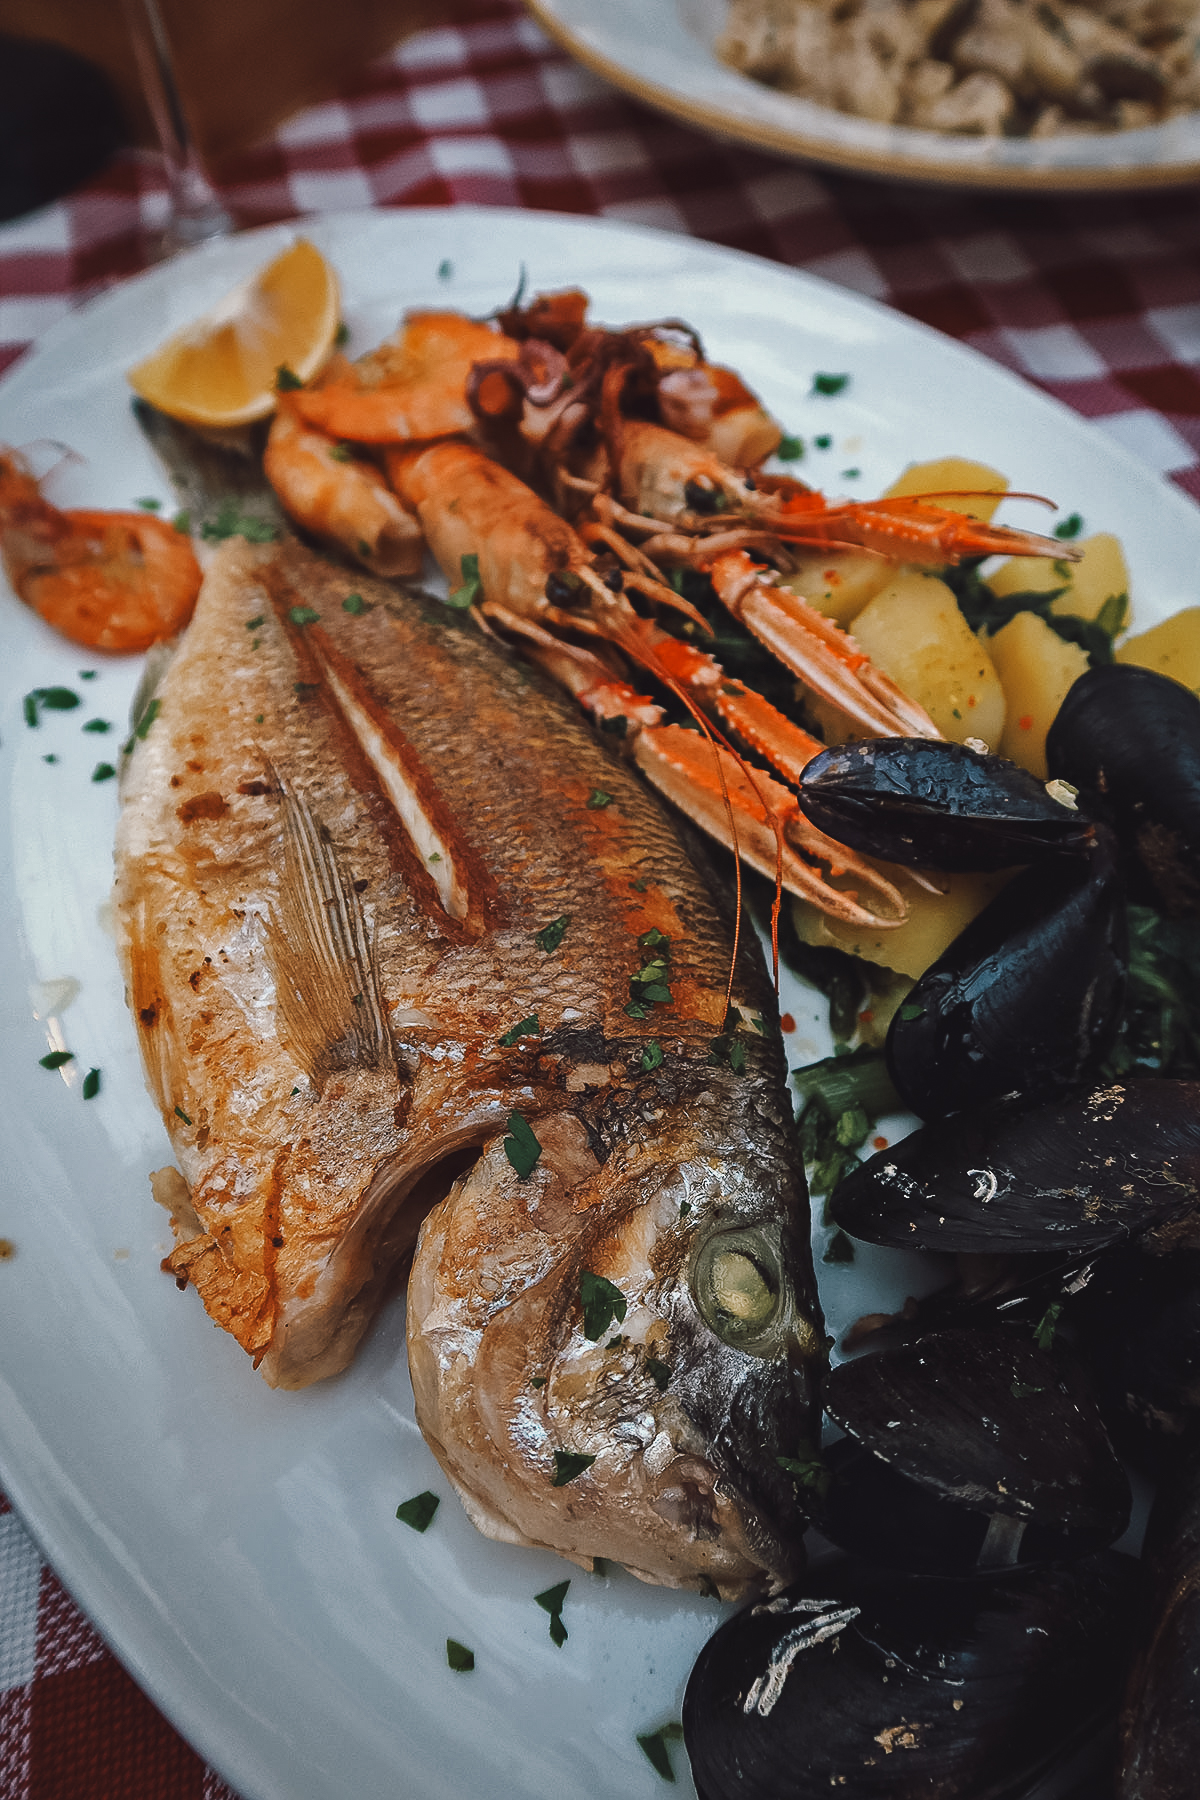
(1095, 299)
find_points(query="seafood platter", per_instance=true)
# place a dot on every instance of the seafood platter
(587, 709)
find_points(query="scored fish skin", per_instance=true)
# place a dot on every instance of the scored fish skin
(342, 834)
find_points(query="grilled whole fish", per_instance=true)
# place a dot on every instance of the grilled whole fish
(379, 891)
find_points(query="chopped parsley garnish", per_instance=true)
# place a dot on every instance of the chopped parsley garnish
(521, 1146)
(91, 1084)
(51, 699)
(851, 474)
(654, 939)
(472, 587)
(142, 724)
(460, 1659)
(659, 1373)
(286, 380)
(87, 674)
(149, 504)
(418, 1512)
(910, 1011)
(98, 725)
(180, 1114)
(182, 523)
(341, 336)
(229, 522)
(728, 1052)
(1070, 527)
(807, 1468)
(537, 1381)
(303, 615)
(653, 1745)
(341, 453)
(445, 269)
(824, 442)
(597, 800)
(652, 1054)
(551, 1601)
(641, 884)
(603, 1304)
(56, 1058)
(524, 1028)
(790, 449)
(552, 935)
(567, 1465)
(829, 384)
(103, 772)
(51, 758)
(254, 623)
(355, 604)
(1047, 1325)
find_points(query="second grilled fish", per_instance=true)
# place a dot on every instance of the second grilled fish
(399, 933)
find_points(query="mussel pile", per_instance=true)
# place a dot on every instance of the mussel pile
(968, 1626)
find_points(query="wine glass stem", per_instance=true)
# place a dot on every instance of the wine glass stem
(196, 214)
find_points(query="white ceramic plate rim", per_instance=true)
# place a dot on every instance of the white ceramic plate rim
(661, 51)
(238, 1547)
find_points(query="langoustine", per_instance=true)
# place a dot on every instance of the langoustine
(364, 947)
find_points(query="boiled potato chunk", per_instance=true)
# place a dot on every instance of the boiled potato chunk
(934, 922)
(955, 483)
(914, 631)
(838, 582)
(1100, 574)
(1173, 648)
(1036, 668)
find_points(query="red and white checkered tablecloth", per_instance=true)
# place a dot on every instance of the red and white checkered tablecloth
(1094, 298)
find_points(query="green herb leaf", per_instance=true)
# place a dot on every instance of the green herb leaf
(56, 699)
(180, 1114)
(524, 1028)
(1070, 527)
(910, 1010)
(91, 1084)
(521, 1147)
(445, 269)
(659, 1373)
(551, 1601)
(829, 384)
(807, 1468)
(597, 800)
(87, 674)
(1047, 1325)
(461, 1660)
(472, 586)
(789, 449)
(355, 604)
(567, 1465)
(286, 380)
(856, 1083)
(98, 725)
(182, 523)
(654, 939)
(603, 1302)
(303, 615)
(418, 1512)
(824, 442)
(50, 759)
(851, 474)
(537, 1381)
(103, 772)
(149, 504)
(653, 1745)
(652, 1054)
(229, 521)
(552, 935)
(341, 336)
(56, 1058)
(29, 708)
(635, 1010)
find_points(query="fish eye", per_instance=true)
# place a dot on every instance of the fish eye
(740, 1289)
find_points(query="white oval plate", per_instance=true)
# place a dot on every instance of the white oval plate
(238, 1547)
(662, 52)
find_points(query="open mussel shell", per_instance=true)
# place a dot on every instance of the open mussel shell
(1160, 1720)
(1023, 1176)
(894, 1688)
(1027, 999)
(926, 803)
(986, 1423)
(1129, 738)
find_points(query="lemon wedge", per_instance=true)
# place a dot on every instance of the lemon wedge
(222, 369)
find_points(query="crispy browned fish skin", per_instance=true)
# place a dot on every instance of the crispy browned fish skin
(320, 1005)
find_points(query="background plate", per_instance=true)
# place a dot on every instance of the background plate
(661, 51)
(238, 1547)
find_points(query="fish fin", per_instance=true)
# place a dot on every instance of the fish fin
(319, 947)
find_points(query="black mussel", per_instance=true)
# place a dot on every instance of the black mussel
(1160, 1720)
(978, 1423)
(1131, 737)
(1137, 1320)
(894, 1688)
(1022, 1176)
(1028, 998)
(929, 804)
